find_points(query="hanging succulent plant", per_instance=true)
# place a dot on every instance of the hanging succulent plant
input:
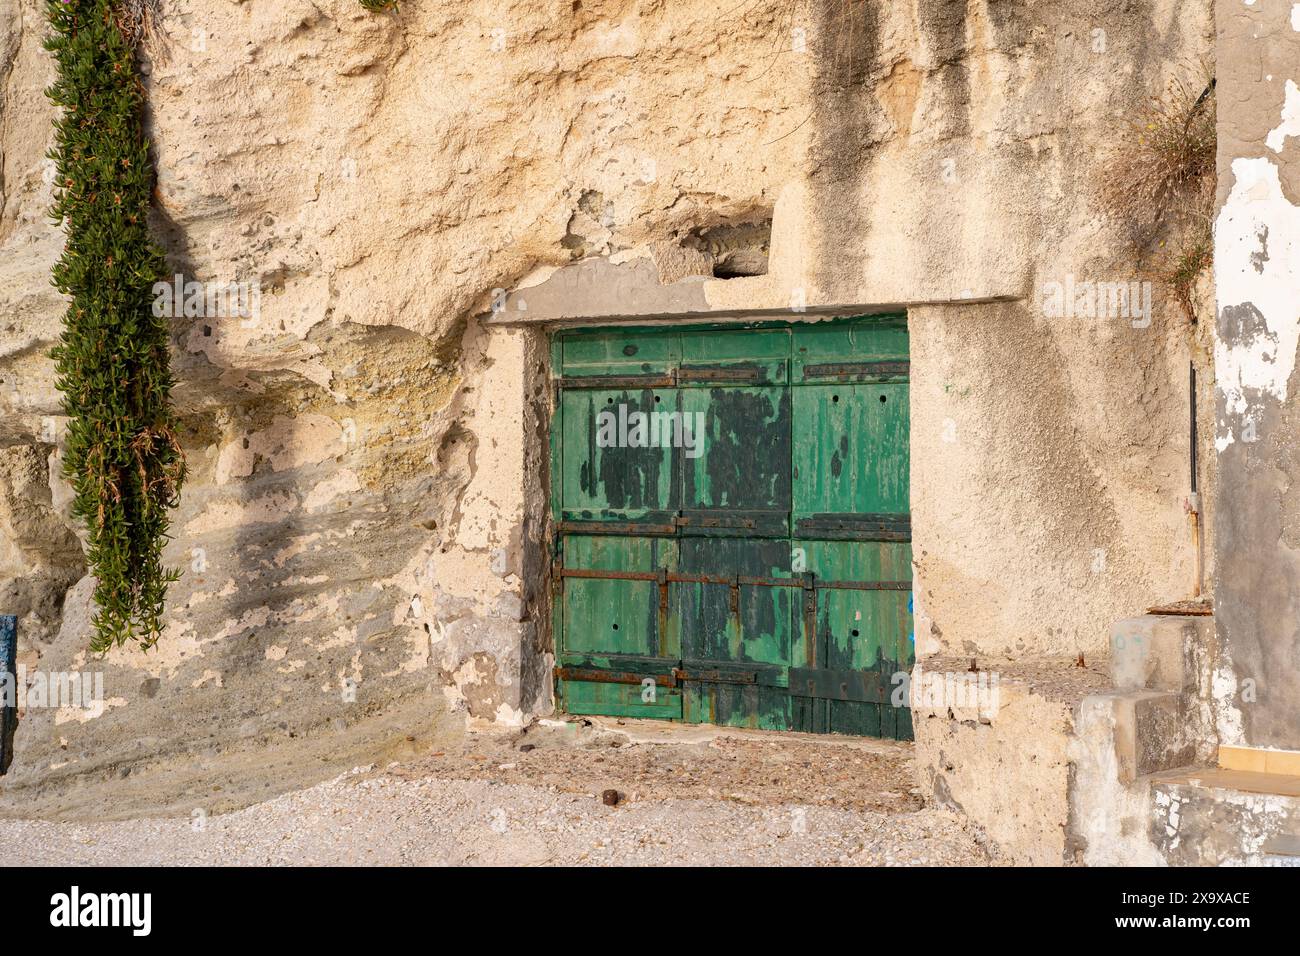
(121, 455)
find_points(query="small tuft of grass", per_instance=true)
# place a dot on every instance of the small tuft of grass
(1160, 183)
(379, 6)
(1164, 166)
(1185, 265)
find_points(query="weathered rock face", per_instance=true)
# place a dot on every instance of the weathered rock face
(40, 557)
(366, 502)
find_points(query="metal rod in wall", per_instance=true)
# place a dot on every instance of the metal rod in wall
(1191, 368)
(1194, 499)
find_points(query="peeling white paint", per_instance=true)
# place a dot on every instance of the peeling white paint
(1223, 687)
(299, 580)
(342, 636)
(1290, 124)
(1257, 264)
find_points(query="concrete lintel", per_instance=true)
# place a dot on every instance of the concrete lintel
(507, 319)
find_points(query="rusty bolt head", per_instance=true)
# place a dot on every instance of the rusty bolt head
(609, 798)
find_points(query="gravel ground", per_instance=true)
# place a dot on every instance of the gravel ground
(535, 797)
(646, 760)
(359, 818)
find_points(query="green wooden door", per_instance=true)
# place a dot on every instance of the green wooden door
(731, 509)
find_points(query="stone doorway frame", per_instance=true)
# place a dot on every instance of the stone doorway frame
(506, 663)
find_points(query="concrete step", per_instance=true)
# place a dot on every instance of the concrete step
(1150, 732)
(1170, 655)
(1209, 816)
(1159, 652)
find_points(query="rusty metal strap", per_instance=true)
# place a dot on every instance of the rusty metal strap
(850, 370)
(615, 677)
(713, 521)
(735, 581)
(668, 525)
(661, 380)
(714, 676)
(856, 527)
(748, 374)
(865, 585)
(675, 678)
(735, 373)
(615, 527)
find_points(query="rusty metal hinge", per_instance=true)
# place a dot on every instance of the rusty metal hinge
(810, 616)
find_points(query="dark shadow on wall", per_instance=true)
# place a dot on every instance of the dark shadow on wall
(866, 96)
(847, 124)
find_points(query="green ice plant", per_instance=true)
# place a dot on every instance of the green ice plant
(121, 455)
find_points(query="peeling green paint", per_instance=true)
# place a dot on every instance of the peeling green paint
(804, 439)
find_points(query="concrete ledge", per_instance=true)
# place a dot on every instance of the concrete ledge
(1057, 771)
(1008, 766)
(1094, 765)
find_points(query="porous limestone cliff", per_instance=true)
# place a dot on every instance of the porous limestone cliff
(362, 525)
